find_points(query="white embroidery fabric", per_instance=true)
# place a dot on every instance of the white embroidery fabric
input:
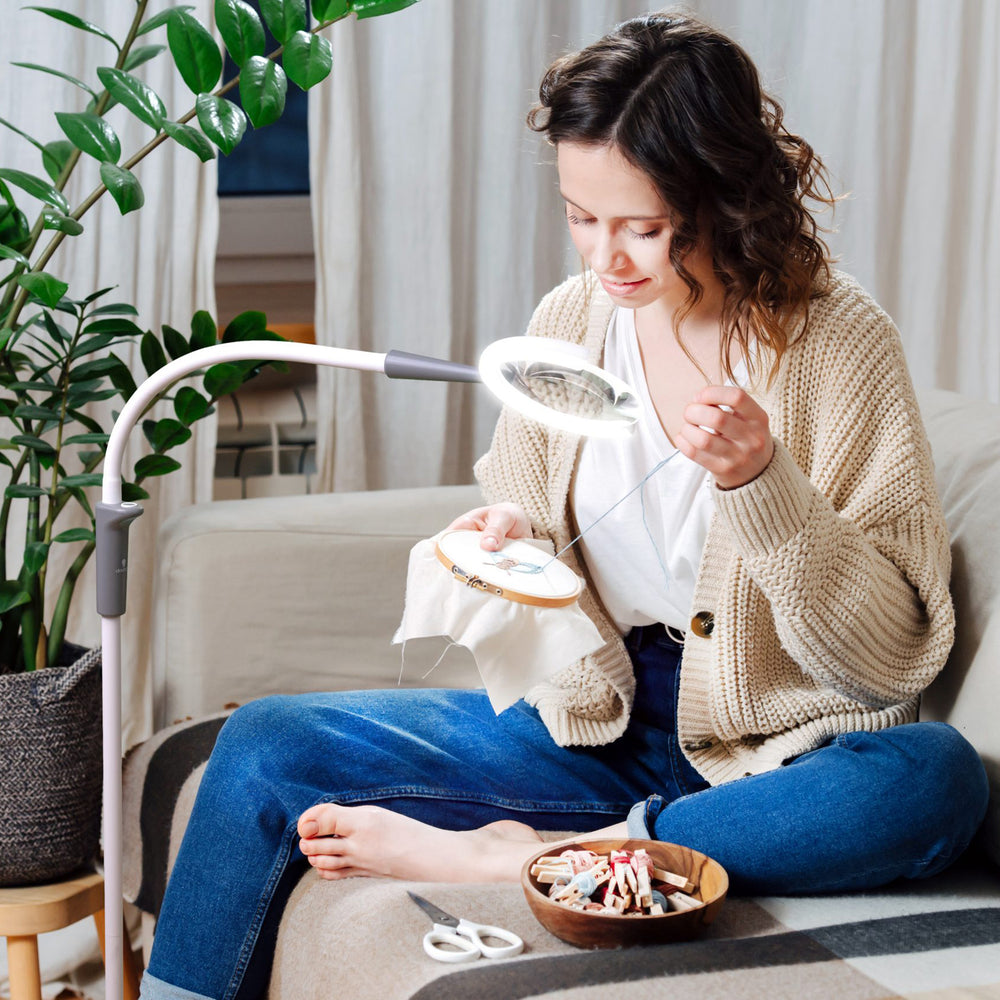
(516, 646)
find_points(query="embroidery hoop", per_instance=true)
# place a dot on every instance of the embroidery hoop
(555, 585)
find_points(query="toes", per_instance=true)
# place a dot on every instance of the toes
(320, 821)
(321, 845)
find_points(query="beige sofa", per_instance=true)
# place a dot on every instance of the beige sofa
(300, 594)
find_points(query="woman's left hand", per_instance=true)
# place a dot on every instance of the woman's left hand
(727, 433)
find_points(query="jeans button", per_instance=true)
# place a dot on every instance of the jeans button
(703, 623)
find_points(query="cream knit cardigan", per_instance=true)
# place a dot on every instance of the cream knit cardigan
(827, 576)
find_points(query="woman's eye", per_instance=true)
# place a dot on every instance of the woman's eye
(645, 236)
(575, 220)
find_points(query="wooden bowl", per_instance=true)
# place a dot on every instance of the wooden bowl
(590, 929)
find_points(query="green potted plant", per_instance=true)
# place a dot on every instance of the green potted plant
(58, 356)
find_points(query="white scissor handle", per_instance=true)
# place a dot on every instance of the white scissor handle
(479, 932)
(466, 948)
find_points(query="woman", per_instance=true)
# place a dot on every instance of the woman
(792, 556)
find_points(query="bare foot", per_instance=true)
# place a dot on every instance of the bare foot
(345, 841)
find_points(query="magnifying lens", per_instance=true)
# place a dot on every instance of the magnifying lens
(550, 381)
(545, 380)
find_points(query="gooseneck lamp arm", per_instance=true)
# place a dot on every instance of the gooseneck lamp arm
(113, 518)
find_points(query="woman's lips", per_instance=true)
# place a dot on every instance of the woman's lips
(621, 288)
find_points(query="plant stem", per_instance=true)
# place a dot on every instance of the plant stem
(51, 510)
(60, 612)
(15, 477)
(34, 611)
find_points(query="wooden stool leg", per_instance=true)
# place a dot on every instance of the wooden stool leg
(130, 976)
(22, 968)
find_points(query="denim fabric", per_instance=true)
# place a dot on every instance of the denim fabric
(440, 756)
(861, 811)
(445, 758)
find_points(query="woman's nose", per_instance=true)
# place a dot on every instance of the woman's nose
(607, 254)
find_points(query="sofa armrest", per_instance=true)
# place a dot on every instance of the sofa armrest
(292, 594)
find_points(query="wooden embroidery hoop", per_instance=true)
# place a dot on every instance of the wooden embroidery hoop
(556, 586)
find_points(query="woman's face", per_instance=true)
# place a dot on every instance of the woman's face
(619, 224)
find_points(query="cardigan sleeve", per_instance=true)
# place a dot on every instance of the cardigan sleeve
(844, 532)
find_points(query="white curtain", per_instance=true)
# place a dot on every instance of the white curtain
(438, 225)
(161, 259)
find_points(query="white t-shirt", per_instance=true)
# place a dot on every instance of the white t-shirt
(644, 555)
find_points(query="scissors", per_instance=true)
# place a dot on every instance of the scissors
(468, 938)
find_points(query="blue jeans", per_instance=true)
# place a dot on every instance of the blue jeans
(859, 812)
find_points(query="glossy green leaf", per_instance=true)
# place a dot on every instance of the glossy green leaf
(263, 85)
(12, 595)
(190, 138)
(82, 480)
(190, 405)
(194, 50)
(204, 332)
(90, 345)
(117, 326)
(55, 72)
(161, 18)
(142, 54)
(91, 134)
(222, 379)
(36, 187)
(51, 219)
(14, 231)
(284, 17)
(30, 411)
(122, 380)
(330, 10)
(249, 325)
(115, 309)
(24, 491)
(55, 156)
(130, 491)
(123, 186)
(151, 352)
(9, 253)
(45, 287)
(174, 341)
(168, 433)
(76, 22)
(307, 59)
(135, 95)
(75, 535)
(155, 465)
(34, 557)
(32, 441)
(92, 369)
(222, 121)
(373, 8)
(240, 28)
(91, 438)
(100, 293)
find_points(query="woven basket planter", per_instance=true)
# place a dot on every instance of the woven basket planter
(50, 769)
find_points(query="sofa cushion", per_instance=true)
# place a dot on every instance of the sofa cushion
(965, 442)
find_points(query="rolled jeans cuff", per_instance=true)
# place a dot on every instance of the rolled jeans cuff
(152, 988)
(641, 823)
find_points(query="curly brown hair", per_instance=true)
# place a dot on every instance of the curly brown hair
(684, 104)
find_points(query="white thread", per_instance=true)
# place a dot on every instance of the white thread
(402, 661)
(439, 659)
(642, 482)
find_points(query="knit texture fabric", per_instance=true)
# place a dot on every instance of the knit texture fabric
(826, 577)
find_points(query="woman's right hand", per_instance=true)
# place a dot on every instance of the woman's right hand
(497, 522)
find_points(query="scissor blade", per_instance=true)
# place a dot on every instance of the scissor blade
(437, 915)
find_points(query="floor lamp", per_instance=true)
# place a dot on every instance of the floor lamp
(546, 380)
